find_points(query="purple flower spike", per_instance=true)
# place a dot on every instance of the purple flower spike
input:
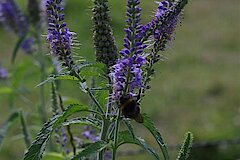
(59, 36)
(90, 134)
(163, 24)
(127, 73)
(12, 18)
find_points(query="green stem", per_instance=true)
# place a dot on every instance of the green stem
(42, 110)
(94, 100)
(116, 135)
(68, 127)
(88, 90)
(104, 132)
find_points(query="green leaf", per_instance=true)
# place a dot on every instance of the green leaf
(92, 69)
(94, 122)
(5, 90)
(102, 95)
(38, 146)
(53, 156)
(126, 137)
(91, 149)
(6, 125)
(147, 122)
(25, 132)
(186, 147)
(58, 77)
(17, 47)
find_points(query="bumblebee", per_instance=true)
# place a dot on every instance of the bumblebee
(130, 108)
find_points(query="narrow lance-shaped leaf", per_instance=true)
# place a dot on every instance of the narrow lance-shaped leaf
(6, 125)
(94, 122)
(25, 132)
(147, 122)
(126, 137)
(186, 147)
(17, 47)
(38, 146)
(57, 77)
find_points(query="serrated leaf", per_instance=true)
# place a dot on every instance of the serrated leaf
(6, 125)
(17, 47)
(58, 77)
(91, 149)
(147, 122)
(53, 156)
(126, 137)
(38, 146)
(94, 122)
(186, 147)
(92, 69)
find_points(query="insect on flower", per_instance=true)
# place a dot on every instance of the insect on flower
(131, 108)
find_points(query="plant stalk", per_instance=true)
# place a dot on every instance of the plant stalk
(116, 135)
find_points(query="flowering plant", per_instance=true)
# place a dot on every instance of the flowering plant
(119, 80)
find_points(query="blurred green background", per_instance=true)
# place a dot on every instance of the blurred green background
(196, 89)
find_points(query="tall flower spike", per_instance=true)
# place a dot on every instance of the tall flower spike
(59, 36)
(126, 74)
(13, 19)
(106, 50)
(160, 31)
(164, 23)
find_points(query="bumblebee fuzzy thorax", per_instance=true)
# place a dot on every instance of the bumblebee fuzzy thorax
(130, 108)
